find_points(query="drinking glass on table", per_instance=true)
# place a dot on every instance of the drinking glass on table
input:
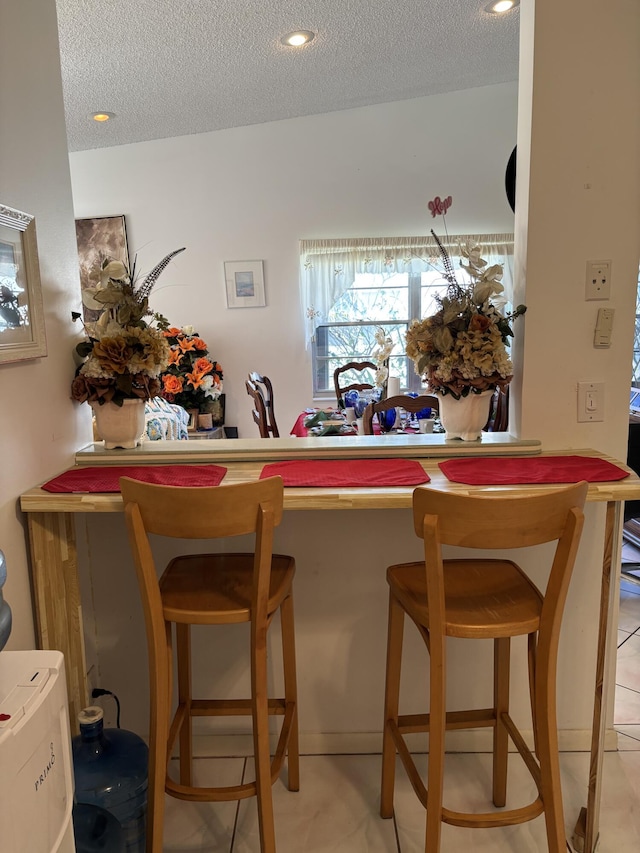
(360, 405)
(350, 399)
(387, 419)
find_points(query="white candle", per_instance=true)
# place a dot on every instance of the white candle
(393, 386)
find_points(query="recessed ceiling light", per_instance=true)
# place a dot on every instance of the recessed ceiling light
(499, 7)
(102, 116)
(298, 38)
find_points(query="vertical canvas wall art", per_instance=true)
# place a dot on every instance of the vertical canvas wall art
(98, 238)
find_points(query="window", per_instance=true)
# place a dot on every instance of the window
(636, 341)
(350, 288)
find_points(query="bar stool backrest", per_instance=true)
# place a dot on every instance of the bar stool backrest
(495, 522)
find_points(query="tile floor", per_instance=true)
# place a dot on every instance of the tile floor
(336, 809)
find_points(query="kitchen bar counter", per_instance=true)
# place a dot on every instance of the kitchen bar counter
(53, 544)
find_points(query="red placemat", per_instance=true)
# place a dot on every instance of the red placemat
(348, 472)
(106, 479)
(536, 469)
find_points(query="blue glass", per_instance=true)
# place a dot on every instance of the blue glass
(387, 419)
(412, 394)
(350, 399)
(360, 405)
(423, 414)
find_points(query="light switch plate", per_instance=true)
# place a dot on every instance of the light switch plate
(590, 401)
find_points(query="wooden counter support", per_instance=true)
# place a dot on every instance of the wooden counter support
(585, 836)
(57, 599)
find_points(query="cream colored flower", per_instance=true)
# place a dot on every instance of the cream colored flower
(382, 374)
(115, 270)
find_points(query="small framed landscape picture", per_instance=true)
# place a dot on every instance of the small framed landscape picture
(245, 284)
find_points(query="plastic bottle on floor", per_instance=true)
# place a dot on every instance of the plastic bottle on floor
(111, 771)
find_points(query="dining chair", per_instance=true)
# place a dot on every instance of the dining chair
(483, 598)
(260, 389)
(213, 589)
(499, 413)
(404, 401)
(354, 367)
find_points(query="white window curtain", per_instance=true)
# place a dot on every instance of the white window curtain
(328, 267)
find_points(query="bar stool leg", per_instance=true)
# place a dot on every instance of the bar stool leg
(183, 649)
(391, 701)
(532, 643)
(551, 789)
(290, 690)
(437, 726)
(501, 658)
(260, 719)
(160, 710)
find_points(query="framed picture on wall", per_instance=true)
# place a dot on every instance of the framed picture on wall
(98, 238)
(22, 331)
(245, 284)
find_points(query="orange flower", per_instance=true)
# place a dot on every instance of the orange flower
(195, 379)
(172, 384)
(203, 365)
(185, 345)
(175, 356)
(172, 332)
(199, 343)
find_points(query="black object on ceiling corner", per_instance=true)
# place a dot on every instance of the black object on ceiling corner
(510, 179)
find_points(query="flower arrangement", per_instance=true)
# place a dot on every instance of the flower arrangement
(461, 349)
(191, 380)
(124, 354)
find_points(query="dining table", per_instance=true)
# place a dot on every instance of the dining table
(51, 509)
(335, 417)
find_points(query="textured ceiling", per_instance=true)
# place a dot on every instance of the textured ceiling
(173, 67)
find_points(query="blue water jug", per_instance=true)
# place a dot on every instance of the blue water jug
(110, 767)
(96, 830)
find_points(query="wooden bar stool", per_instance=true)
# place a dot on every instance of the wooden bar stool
(482, 598)
(213, 589)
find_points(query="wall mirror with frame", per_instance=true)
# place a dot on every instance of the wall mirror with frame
(22, 330)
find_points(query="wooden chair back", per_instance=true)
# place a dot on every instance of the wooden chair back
(498, 523)
(410, 404)
(197, 513)
(355, 366)
(260, 389)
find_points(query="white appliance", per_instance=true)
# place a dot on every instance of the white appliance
(36, 771)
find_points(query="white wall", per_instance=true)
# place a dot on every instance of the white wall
(254, 192)
(40, 427)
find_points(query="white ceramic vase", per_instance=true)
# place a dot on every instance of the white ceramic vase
(120, 426)
(464, 418)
